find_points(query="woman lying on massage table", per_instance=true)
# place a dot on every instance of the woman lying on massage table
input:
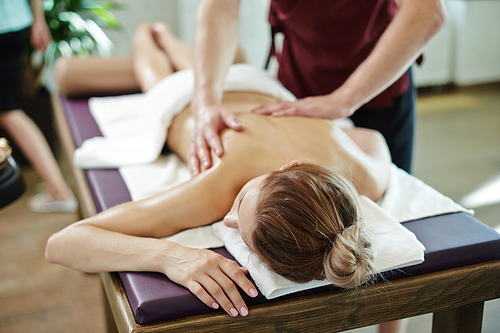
(299, 217)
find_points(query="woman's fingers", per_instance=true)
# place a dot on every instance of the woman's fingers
(237, 274)
(214, 280)
(223, 290)
(202, 294)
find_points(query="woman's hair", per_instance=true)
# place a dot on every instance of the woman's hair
(307, 227)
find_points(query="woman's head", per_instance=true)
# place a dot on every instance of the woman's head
(302, 221)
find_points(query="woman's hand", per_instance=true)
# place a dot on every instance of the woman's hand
(210, 277)
(40, 34)
(209, 122)
(328, 106)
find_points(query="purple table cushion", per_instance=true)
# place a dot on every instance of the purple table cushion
(451, 240)
(106, 185)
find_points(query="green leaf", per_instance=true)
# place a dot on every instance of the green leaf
(106, 16)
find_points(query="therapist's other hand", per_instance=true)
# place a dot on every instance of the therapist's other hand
(209, 122)
(319, 107)
(212, 278)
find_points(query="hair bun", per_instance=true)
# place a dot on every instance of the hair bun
(350, 261)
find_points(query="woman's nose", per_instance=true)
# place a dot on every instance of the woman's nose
(230, 220)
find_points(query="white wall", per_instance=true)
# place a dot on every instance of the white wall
(466, 51)
(477, 38)
(135, 12)
(254, 32)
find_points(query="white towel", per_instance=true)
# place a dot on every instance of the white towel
(138, 123)
(394, 246)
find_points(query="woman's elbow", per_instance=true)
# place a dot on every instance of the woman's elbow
(52, 249)
(56, 248)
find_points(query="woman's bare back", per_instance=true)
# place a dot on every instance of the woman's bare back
(267, 143)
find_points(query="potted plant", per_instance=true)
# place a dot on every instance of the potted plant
(76, 27)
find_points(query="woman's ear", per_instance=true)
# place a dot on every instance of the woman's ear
(290, 164)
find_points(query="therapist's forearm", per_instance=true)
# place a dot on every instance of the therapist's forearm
(402, 42)
(215, 47)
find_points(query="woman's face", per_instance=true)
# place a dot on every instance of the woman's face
(242, 213)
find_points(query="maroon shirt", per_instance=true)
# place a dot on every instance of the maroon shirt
(326, 40)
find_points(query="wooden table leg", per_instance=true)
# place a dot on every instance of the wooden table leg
(110, 320)
(466, 319)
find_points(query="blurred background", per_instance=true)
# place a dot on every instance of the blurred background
(457, 149)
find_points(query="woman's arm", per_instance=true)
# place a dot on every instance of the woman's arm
(398, 47)
(78, 77)
(211, 277)
(124, 238)
(375, 158)
(40, 34)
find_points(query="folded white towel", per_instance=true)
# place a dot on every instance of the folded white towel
(394, 246)
(137, 124)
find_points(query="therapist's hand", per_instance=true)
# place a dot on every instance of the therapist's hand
(212, 278)
(209, 122)
(328, 106)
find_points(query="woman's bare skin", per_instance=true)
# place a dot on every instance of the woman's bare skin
(125, 236)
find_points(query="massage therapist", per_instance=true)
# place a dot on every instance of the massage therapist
(340, 58)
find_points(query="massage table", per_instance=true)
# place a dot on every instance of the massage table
(460, 272)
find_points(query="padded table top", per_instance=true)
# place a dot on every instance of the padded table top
(451, 240)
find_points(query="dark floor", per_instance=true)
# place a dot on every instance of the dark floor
(457, 152)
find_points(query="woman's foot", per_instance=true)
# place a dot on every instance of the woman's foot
(44, 203)
(179, 53)
(144, 31)
(150, 63)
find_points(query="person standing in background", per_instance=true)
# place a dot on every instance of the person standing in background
(16, 18)
(339, 58)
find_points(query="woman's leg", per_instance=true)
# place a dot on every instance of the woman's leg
(178, 52)
(34, 146)
(150, 62)
(101, 76)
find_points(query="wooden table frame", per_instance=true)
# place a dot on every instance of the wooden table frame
(456, 297)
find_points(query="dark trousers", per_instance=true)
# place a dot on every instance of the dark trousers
(396, 124)
(12, 46)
